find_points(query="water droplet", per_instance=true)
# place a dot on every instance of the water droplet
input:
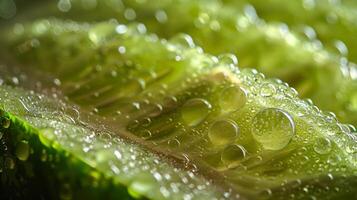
(228, 59)
(341, 47)
(322, 146)
(118, 155)
(273, 128)
(161, 16)
(183, 40)
(223, 132)
(146, 134)
(121, 49)
(57, 82)
(121, 29)
(267, 90)
(22, 150)
(232, 155)
(194, 111)
(129, 14)
(232, 98)
(64, 5)
(5, 122)
(174, 143)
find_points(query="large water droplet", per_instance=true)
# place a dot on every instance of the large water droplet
(194, 111)
(232, 155)
(22, 150)
(273, 128)
(223, 132)
(232, 98)
(322, 146)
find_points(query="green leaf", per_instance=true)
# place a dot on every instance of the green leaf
(227, 132)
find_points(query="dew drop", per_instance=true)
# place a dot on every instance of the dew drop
(64, 5)
(174, 143)
(118, 155)
(22, 150)
(232, 155)
(121, 49)
(232, 98)
(194, 111)
(129, 14)
(322, 146)
(183, 40)
(341, 47)
(121, 29)
(273, 128)
(161, 16)
(146, 134)
(223, 132)
(267, 90)
(228, 59)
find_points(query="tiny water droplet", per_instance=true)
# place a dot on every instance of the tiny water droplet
(118, 155)
(228, 59)
(174, 143)
(64, 5)
(146, 134)
(267, 90)
(223, 132)
(232, 155)
(194, 111)
(183, 40)
(22, 150)
(232, 99)
(129, 14)
(273, 128)
(322, 146)
(57, 82)
(121, 29)
(161, 16)
(121, 49)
